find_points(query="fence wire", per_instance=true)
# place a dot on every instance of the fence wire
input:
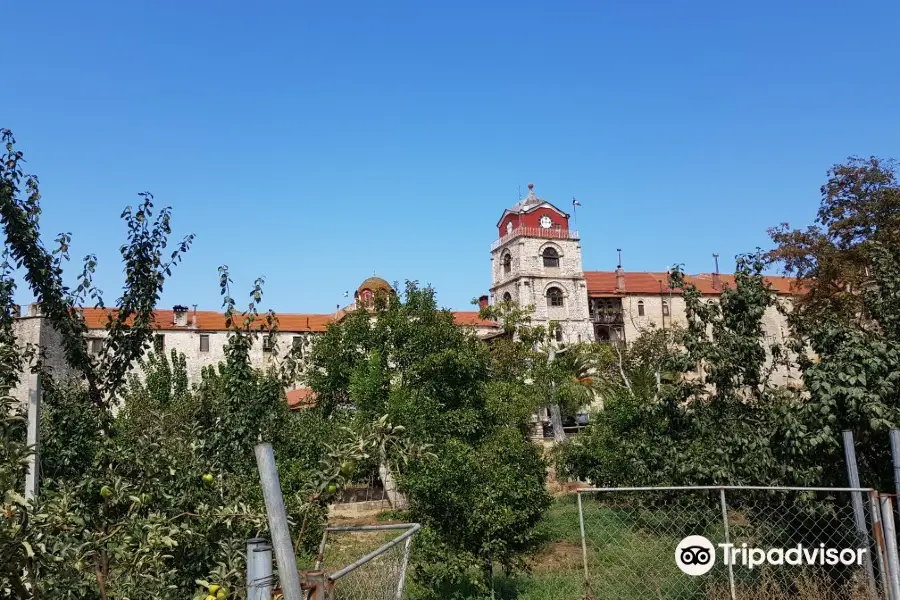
(366, 562)
(631, 538)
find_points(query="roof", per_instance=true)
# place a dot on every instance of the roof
(375, 284)
(603, 283)
(529, 201)
(207, 320)
(471, 317)
(528, 204)
(301, 398)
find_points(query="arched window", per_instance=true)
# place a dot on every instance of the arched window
(551, 257)
(366, 299)
(554, 297)
(640, 308)
(507, 297)
(507, 262)
(665, 308)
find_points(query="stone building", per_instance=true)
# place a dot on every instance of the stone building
(536, 260)
(201, 335)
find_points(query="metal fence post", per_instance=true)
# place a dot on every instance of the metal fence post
(895, 458)
(727, 541)
(857, 499)
(259, 569)
(890, 538)
(315, 583)
(880, 553)
(278, 523)
(33, 476)
(583, 541)
(403, 566)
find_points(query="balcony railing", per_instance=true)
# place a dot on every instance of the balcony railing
(540, 232)
(608, 318)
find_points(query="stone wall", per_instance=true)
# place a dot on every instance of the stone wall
(528, 281)
(36, 331)
(774, 322)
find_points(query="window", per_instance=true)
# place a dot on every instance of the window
(367, 298)
(558, 333)
(551, 257)
(297, 342)
(204, 343)
(507, 297)
(640, 308)
(554, 297)
(507, 262)
(267, 343)
(159, 343)
(665, 308)
(95, 346)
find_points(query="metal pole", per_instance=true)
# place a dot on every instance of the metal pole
(403, 566)
(252, 567)
(278, 523)
(727, 541)
(259, 569)
(32, 478)
(890, 537)
(857, 499)
(315, 581)
(895, 458)
(583, 542)
(880, 553)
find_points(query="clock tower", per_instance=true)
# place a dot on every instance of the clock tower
(536, 261)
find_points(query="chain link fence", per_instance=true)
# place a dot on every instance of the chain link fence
(365, 562)
(757, 543)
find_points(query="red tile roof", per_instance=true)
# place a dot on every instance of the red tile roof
(208, 320)
(300, 398)
(603, 283)
(470, 317)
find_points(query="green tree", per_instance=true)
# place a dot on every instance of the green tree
(480, 491)
(143, 501)
(845, 323)
(528, 365)
(699, 406)
(832, 259)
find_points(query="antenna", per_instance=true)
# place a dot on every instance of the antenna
(619, 250)
(716, 258)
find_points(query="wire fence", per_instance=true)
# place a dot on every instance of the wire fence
(366, 562)
(732, 543)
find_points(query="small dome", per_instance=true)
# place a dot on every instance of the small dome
(375, 284)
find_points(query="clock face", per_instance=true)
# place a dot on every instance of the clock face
(546, 222)
(509, 227)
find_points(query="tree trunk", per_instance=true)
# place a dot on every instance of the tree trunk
(487, 571)
(395, 497)
(559, 434)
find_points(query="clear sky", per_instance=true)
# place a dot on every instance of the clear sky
(316, 143)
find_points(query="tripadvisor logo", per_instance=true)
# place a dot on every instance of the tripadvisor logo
(695, 555)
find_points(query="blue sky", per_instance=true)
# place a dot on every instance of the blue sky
(317, 143)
